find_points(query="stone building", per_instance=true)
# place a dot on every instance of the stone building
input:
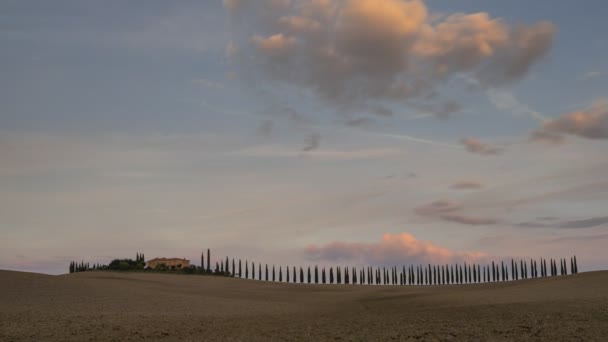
(170, 263)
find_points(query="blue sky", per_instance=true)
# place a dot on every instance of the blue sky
(171, 127)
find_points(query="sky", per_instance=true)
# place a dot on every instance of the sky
(291, 132)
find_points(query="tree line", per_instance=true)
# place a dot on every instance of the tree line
(411, 275)
(465, 273)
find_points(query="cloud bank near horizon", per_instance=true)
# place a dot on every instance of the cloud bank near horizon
(392, 249)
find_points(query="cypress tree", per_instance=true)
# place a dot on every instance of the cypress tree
(346, 277)
(233, 268)
(301, 275)
(240, 270)
(217, 268)
(266, 272)
(287, 273)
(575, 265)
(338, 275)
(512, 267)
(354, 276)
(452, 274)
(246, 269)
(470, 275)
(273, 274)
(222, 268)
(493, 272)
(280, 274)
(555, 263)
(227, 266)
(209, 260)
(309, 274)
(474, 273)
(203, 260)
(323, 275)
(331, 275)
(259, 271)
(571, 266)
(460, 278)
(294, 275)
(316, 274)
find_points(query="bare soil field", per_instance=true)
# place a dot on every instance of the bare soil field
(105, 306)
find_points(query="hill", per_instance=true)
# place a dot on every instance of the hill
(136, 306)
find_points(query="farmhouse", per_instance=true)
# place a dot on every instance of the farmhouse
(170, 263)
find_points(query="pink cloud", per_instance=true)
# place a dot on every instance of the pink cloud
(393, 249)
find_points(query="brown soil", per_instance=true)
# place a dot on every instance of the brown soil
(104, 306)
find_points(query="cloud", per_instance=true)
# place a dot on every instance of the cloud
(437, 207)
(475, 146)
(590, 123)
(233, 4)
(466, 185)
(359, 122)
(593, 74)
(312, 142)
(207, 83)
(470, 220)
(547, 137)
(393, 249)
(371, 51)
(274, 151)
(450, 211)
(265, 128)
(574, 224)
(505, 100)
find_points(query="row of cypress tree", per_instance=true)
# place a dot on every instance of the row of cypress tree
(412, 275)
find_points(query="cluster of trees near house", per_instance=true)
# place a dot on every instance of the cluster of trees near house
(372, 275)
(115, 265)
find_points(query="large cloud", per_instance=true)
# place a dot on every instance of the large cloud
(368, 51)
(393, 249)
(591, 123)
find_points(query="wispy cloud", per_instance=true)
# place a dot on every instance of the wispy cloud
(467, 185)
(573, 224)
(452, 211)
(593, 74)
(475, 146)
(505, 100)
(278, 151)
